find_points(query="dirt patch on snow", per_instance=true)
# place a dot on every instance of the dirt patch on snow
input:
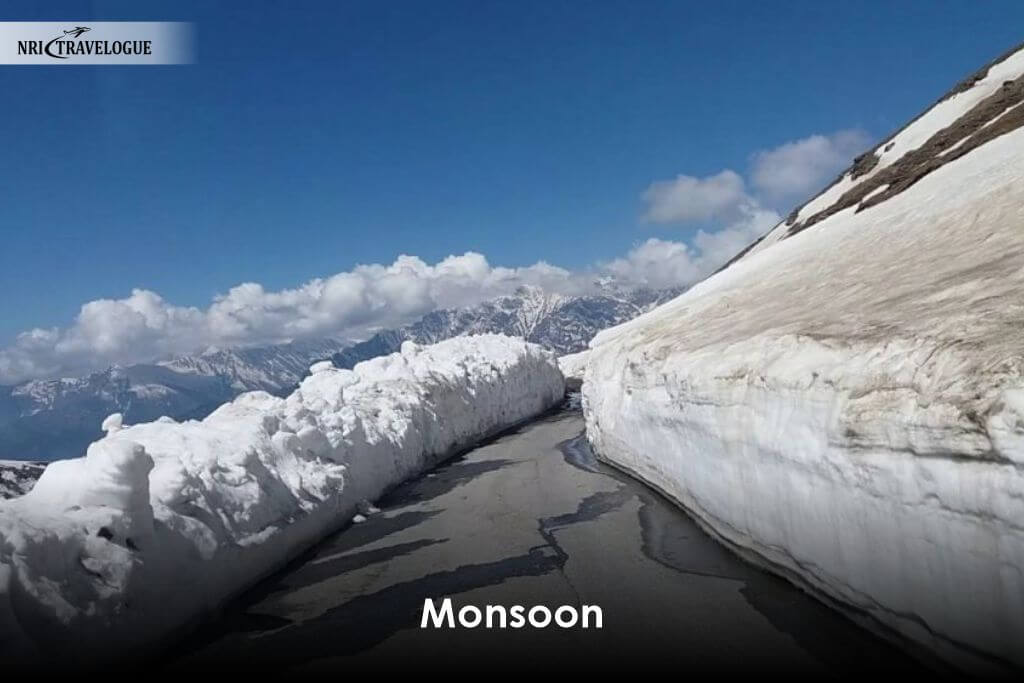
(994, 116)
(967, 131)
(964, 85)
(863, 164)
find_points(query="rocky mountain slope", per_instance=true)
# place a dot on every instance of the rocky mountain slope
(17, 477)
(845, 401)
(58, 418)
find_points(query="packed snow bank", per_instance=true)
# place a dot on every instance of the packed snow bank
(162, 522)
(572, 365)
(847, 405)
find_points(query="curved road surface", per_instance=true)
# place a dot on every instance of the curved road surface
(531, 518)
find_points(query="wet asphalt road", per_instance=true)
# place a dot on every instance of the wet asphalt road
(531, 518)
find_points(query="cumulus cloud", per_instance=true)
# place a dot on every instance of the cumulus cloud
(742, 209)
(657, 263)
(718, 246)
(792, 171)
(797, 169)
(143, 326)
(662, 263)
(687, 198)
(721, 199)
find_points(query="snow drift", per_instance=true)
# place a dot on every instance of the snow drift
(845, 401)
(161, 522)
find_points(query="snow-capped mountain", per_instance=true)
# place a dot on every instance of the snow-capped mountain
(270, 368)
(564, 324)
(57, 418)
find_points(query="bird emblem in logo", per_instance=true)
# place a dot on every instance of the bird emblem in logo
(76, 31)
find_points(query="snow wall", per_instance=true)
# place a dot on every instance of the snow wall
(161, 523)
(846, 404)
(572, 366)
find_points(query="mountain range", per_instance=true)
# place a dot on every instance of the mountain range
(51, 419)
(564, 324)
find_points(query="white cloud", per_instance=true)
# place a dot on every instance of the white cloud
(657, 263)
(687, 198)
(742, 211)
(717, 247)
(797, 169)
(792, 171)
(663, 263)
(143, 326)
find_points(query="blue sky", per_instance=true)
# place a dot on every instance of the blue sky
(311, 137)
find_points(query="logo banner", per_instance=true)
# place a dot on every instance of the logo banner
(96, 42)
